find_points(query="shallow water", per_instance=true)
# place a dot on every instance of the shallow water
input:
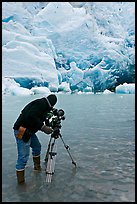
(100, 131)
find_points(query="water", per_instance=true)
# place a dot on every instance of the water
(100, 131)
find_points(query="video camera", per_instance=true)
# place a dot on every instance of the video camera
(53, 119)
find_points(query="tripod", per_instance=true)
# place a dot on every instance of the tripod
(51, 156)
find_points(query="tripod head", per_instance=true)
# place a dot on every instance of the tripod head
(53, 119)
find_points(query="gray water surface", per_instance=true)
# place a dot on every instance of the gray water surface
(100, 131)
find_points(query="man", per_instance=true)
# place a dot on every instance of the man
(31, 120)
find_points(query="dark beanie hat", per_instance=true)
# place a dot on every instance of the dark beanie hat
(52, 99)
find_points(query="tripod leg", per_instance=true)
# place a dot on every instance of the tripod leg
(67, 148)
(48, 171)
(51, 162)
(49, 146)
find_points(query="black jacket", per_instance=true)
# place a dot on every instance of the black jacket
(33, 115)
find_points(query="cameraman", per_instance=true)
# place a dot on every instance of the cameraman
(31, 120)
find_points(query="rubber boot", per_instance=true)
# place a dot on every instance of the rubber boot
(36, 160)
(20, 176)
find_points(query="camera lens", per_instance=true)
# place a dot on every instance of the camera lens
(60, 112)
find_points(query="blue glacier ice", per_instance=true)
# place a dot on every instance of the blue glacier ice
(70, 47)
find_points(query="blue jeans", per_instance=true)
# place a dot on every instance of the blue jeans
(24, 149)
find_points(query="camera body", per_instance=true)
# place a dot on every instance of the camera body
(53, 120)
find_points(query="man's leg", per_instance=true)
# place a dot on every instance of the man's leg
(23, 155)
(36, 151)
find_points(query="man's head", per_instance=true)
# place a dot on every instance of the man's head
(52, 100)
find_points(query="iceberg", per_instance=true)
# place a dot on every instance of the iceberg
(126, 88)
(68, 46)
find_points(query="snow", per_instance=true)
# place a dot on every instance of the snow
(9, 86)
(69, 47)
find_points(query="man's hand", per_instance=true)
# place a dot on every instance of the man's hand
(46, 129)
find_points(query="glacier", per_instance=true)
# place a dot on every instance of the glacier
(69, 47)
